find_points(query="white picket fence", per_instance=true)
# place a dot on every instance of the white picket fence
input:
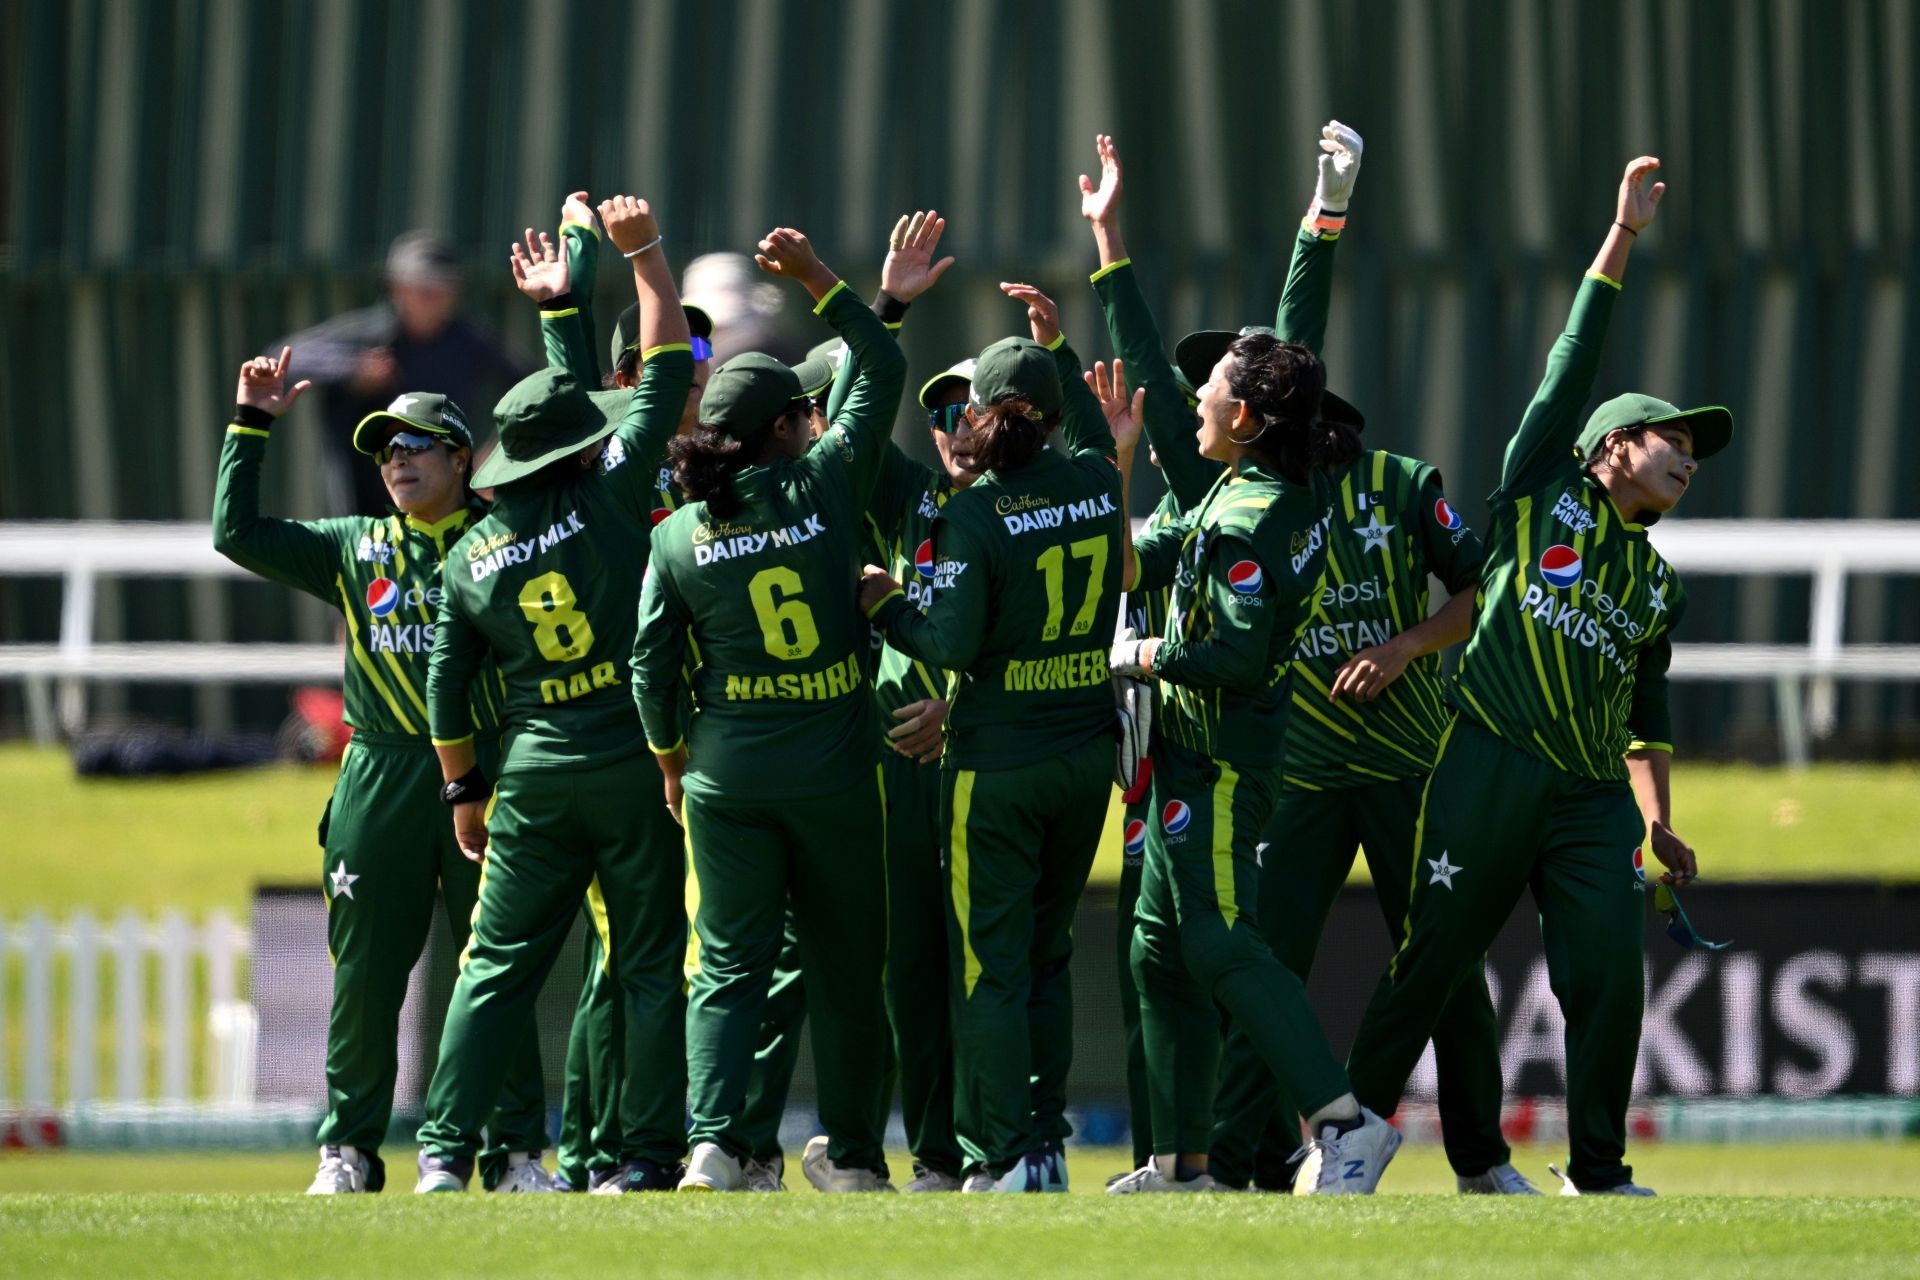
(172, 987)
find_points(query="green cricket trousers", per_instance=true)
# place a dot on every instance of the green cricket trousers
(1019, 845)
(1310, 843)
(551, 833)
(1497, 820)
(1133, 861)
(827, 854)
(387, 844)
(1197, 949)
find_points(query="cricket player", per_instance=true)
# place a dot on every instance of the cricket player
(385, 837)
(1560, 722)
(1026, 571)
(548, 585)
(776, 779)
(1168, 414)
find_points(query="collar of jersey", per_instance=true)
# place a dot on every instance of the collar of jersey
(1606, 497)
(435, 528)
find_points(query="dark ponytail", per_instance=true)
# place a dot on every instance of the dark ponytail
(1008, 435)
(706, 460)
(1281, 384)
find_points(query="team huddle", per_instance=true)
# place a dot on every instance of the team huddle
(812, 731)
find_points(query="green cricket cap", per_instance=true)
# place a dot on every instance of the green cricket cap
(1711, 425)
(958, 374)
(544, 417)
(626, 329)
(1018, 367)
(423, 411)
(1195, 355)
(817, 372)
(747, 392)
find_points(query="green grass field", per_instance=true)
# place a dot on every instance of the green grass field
(203, 842)
(1789, 1211)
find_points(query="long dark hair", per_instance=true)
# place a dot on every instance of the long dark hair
(1281, 384)
(1007, 434)
(706, 460)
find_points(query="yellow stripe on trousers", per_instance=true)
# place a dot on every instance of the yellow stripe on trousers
(1223, 843)
(597, 912)
(962, 891)
(479, 894)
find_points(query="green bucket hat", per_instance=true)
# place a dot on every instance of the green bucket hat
(817, 372)
(1017, 367)
(1195, 355)
(747, 392)
(961, 373)
(545, 417)
(626, 329)
(424, 411)
(1712, 425)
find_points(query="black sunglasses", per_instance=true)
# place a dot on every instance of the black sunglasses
(404, 443)
(947, 416)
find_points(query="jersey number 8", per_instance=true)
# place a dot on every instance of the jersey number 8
(786, 625)
(549, 603)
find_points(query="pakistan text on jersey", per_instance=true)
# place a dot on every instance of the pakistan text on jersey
(1576, 624)
(1331, 640)
(502, 550)
(713, 542)
(1081, 670)
(602, 676)
(1024, 515)
(836, 681)
(398, 637)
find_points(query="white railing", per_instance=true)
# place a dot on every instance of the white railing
(198, 1016)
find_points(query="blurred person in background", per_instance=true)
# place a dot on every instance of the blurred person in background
(385, 836)
(747, 313)
(415, 338)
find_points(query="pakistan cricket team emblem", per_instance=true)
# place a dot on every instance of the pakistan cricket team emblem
(342, 879)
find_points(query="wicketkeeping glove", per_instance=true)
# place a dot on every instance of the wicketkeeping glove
(1339, 167)
(1128, 656)
(1133, 729)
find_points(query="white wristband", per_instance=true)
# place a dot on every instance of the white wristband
(643, 248)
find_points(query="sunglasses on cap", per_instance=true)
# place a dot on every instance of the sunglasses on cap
(702, 348)
(407, 444)
(947, 417)
(1679, 928)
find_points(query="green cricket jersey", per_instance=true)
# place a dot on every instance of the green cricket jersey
(383, 575)
(784, 707)
(547, 583)
(1392, 527)
(1026, 573)
(1244, 566)
(907, 499)
(1570, 646)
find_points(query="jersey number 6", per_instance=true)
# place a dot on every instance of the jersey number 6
(786, 625)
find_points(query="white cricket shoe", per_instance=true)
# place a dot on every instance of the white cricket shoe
(1501, 1180)
(526, 1174)
(1151, 1177)
(1624, 1189)
(710, 1168)
(825, 1175)
(925, 1179)
(343, 1171)
(977, 1181)
(765, 1175)
(1347, 1164)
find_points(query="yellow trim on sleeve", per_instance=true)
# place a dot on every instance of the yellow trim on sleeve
(560, 315)
(1108, 270)
(894, 326)
(584, 226)
(1060, 340)
(821, 305)
(236, 429)
(667, 751)
(1637, 745)
(451, 742)
(881, 602)
(651, 352)
(1608, 280)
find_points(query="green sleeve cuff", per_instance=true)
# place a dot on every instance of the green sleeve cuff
(821, 306)
(560, 315)
(237, 430)
(881, 603)
(452, 742)
(665, 347)
(1606, 280)
(587, 227)
(1108, 270)
(1638, 745)
(1058, 342)
(667, 751)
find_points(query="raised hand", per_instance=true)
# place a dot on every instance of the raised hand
(539, 268)
(909, 270)
(1124, 415)
(789, 254)
(1043, 313)
(1637, 200)
(263, 384)
(1102, 204)
(630, 223)
(576, 209)
(1340, 148)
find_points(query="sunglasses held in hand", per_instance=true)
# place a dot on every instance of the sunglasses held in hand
(1679, 928)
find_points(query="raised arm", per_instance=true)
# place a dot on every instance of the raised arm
(666, 354)
(1083, 428)
(1552, 422)
(1308, 293)
(907, 271)
(291, 552)
(1109, 390)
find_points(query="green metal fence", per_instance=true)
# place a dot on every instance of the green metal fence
(188, 179)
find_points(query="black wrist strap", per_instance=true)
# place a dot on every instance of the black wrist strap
(1624, 227)
(467, 788)
(889, 308)
(249, 415)
(558, 302)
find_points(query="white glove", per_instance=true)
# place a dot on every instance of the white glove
(1340, 150)
(1128, 657)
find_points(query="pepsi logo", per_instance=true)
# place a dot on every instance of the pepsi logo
(1449, 518)
(923, 559)
(1560, 565)
(383, 597)
(1246, 578)
(1640, 864)
(659, 513)
(1136, 837)
(1175, 817)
